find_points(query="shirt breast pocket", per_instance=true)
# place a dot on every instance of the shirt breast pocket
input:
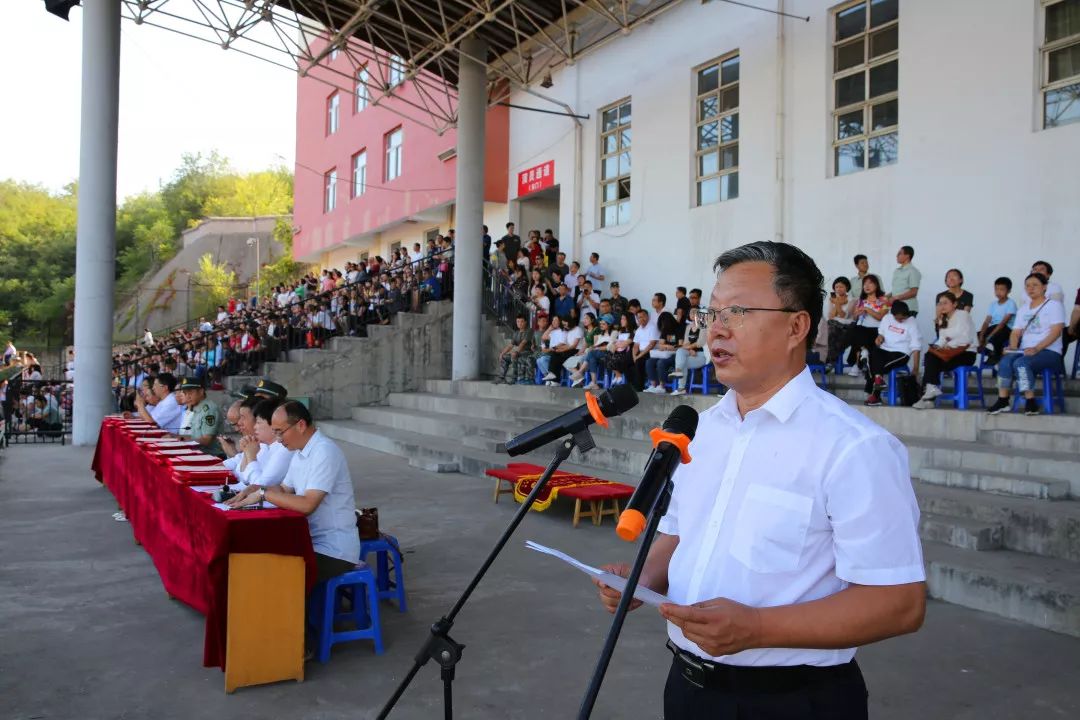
(770, 529)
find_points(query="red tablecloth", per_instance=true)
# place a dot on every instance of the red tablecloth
(188, 538)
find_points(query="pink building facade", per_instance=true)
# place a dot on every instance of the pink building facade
(367, 179)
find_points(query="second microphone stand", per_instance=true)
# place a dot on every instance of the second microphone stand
(440, 647)
(659, 509)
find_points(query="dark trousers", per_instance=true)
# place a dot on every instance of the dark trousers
(934, 366)
(881, 362)
(998, 341)
(839, 334)
(833, 693)
(860, 336)
(639, 374)
(558, 359)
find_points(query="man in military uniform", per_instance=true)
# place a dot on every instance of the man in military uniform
(270, 390)
(206, 417)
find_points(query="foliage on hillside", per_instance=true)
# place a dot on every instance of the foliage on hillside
(37, 237)
(216, 281)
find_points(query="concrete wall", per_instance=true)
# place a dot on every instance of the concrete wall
(363, 371)
(979, 185)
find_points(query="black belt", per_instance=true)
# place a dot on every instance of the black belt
(709, 674)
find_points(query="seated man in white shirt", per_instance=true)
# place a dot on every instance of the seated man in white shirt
(318, 485)
(166, 414)
(791, 538)
(241, 415)
(645, 338)
(897, 342)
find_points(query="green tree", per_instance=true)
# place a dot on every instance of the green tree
(213, 283)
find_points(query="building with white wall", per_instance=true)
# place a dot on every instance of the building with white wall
(960, 115)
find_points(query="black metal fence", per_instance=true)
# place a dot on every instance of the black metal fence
(36, 411)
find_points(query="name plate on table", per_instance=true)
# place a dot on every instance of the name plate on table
(195, 459)
(158, 450)
(171, 444)
(202, 474)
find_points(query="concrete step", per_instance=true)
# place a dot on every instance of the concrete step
(983, 457)
(995, 482)
(1044, 592)
(960, 532)
(1049, 529)
(1053, 442)
(426, 448)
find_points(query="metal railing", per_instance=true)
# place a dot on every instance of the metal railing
(216, 361)
(36, 411)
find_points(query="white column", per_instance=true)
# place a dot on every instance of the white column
(95, 262)
(469, 209)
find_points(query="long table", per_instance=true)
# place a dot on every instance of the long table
(247, 571)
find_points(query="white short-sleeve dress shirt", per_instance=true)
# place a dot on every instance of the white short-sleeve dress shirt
(167, 414)
(321, 466)
(268, 468)
(787, 505)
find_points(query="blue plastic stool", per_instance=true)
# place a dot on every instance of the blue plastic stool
(893, 397)
(962, 391)
(1053, 394)
(360, 583)
(820, 368)
(386, 549)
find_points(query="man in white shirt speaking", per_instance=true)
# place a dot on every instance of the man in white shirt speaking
(318, 485)
(792, 536)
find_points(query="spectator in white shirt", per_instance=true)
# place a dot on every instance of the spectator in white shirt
(221, 314)
(840, 307)
(553, 336)
(205, 326)
(692, 354)
(645, 339)
(771, 564)
(952, 349)
(147, 338)
(596, 272)
(318, 485)
(662, 356)
(572, 276)
(588, 300)
(1054, 291)
(571, 339)
(167, 412)
(1035, 345)
(659, 307)
(898, 341)
(417, 254)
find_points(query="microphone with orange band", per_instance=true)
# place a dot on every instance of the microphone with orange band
(597, 409)
(670, 447)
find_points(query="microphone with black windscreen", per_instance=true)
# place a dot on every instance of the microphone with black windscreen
(670, 447)
(597, 409)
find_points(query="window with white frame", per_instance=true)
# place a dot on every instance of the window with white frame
(330, 191)
(615, 136)
(1061, 63)
(394, 140)
(716, 161)
(363, 94)
(866, 105)
(359, 173)
(332, 104)
(397, 71)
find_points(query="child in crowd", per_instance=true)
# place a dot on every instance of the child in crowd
(897, 342)
(999, 321)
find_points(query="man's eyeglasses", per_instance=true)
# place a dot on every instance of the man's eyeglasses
(731, 317)
(279, 433)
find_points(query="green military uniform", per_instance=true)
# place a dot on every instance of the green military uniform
(206, 419)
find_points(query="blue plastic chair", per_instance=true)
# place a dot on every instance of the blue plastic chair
(1053, 395)
(963, 392)
(386, 549)
(819, 368)
(893, 396)
(326, 610)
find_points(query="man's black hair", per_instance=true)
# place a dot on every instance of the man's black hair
(265, 408)
(1049, 267)
(899, 307)
(663, 298)
(295, 411)
(168, 380)
(1004, 281)
(796, 277)
(909, 251)
(858, 259)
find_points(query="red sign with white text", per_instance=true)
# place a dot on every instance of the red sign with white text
(536, 178)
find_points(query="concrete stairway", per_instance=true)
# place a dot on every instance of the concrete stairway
(1000, 521)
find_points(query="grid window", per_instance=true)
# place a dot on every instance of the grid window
(1061, 63)
(359, 173)
(332, 104)
(716, 160)
(363, 94)
(615, 136)
(330, 191)
(394, 140)
(866, 106)
(397, 71)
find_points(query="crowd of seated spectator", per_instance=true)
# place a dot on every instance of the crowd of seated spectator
(31, 403)
(299, 315)
(562, 322)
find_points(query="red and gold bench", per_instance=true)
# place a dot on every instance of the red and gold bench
(602, 496)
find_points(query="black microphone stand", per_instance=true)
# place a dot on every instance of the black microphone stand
(659, 509)
(440, 647)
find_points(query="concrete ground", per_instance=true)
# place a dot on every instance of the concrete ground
(86, 630)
